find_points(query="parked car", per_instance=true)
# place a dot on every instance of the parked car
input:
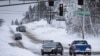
(18, 36)
(80, 47)
(49, 48)
(21, 28)
(59, 48)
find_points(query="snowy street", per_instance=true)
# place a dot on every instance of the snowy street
(66, 54)
(50, 28)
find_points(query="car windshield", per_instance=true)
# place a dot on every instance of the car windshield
(79, 42)
(49, 45)
(47, 41)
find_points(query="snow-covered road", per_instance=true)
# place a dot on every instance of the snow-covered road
(31, 40)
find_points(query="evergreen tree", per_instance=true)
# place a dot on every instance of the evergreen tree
(12, 23)
(16, 22)
(1, 21)
(30, 14)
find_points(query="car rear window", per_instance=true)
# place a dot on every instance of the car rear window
(79, 42)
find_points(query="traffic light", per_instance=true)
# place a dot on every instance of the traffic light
(80, 2)
(61, 9)
(51, 2)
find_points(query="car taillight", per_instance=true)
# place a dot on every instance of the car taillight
(90, 47)
(74, 47)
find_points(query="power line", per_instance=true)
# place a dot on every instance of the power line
(12, 11)
(23, 3)
(19, 4)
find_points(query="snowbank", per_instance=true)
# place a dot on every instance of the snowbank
(7, 50)
(48, 32)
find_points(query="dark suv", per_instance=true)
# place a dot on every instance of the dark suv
(21, 28)
(51, 47)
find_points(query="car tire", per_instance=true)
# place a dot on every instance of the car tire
(70, 53)
(74, 54)
(61, 53)
(20, 38)
(24, 30)
(42, 53)
(16, 38)
(89, 53)
(55, 53)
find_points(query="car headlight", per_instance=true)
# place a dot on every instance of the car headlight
(53, 48)
(88, 49)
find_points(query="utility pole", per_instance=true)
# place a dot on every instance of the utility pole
(83, 29)
(38, 9)
(9, 2)
(51, 3)
(23, 1)
(82, 4)
(50, 16)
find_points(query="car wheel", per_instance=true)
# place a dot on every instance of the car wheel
(42, 53)
(20, 38)
(61, 53)
(55, 53)
(74, 54)
(48, 54)
(16, 28)
(89, 53)
(70, 53)
(16, 38)
(24, 30)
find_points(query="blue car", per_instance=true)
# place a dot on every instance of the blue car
(79, 47)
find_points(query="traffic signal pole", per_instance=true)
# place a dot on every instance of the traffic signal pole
(83, 23)
(50, 16)
(83, 27)
(82, 3)
(51, 3)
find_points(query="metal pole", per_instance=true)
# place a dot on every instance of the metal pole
(23, 1)
(50, 16)
(83, 21)
(83, 26)
(39, 10)
(9, 2)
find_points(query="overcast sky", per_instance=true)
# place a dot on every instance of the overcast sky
(10, 13)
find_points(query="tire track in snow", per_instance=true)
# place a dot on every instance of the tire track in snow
(32, 37)
(18, 43)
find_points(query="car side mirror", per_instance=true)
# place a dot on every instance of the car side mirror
(69, 44)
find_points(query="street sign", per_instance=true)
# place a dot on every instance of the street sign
(82, 12)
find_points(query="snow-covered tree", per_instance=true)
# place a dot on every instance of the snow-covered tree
(30, 14)
(1, 21)
(12, 23)
(16, 22)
